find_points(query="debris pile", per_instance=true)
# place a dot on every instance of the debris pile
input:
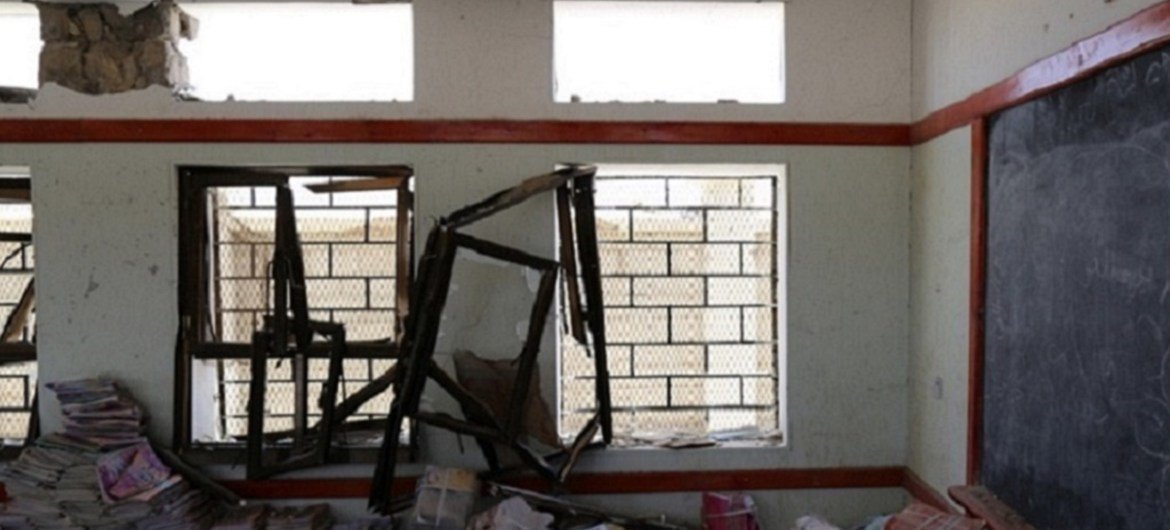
(102, 473)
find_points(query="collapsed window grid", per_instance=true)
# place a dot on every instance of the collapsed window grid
(349, 242)
(18, 372)
(689, 274)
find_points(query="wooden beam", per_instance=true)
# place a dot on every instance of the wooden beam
(925, 493)
(982, 504)
(977, 298)
(375, 184)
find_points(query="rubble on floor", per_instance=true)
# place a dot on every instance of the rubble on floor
(916, 516)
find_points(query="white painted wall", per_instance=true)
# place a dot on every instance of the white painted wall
(106, 223)
(963, 46)
(939, 282)
(847, 61)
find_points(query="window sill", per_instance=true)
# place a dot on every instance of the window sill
(235, 454)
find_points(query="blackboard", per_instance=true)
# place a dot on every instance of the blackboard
(1076, 388)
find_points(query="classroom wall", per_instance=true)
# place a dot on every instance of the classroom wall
(106, 226)
(959, 48)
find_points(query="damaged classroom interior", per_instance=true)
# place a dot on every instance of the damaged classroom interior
(585, 264)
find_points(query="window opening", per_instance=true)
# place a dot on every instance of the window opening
(676, 52)
(20, 38)
(18, 366)
(301, 51)
(356, 250)
(692, 272)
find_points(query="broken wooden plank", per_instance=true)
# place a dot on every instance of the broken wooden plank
(360, 184)
(568, 250)
(981, 503)
(422, 329)
(197, 477)
(588, 250)
(15, 237)
(451, 423)
(502, 200)
(536, 319)
(19, 317)
(504, 253)
(15, 190)
(580, 443)
(351, 404)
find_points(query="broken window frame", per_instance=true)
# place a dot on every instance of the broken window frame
(196, 293)
(573, 188)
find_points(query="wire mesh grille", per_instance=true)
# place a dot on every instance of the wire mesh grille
(280, 390)
(18, 381)
(349, 244)
(689, 279)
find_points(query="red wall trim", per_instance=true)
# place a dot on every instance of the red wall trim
(1147, 29)
(923, 492)
(606, 483)
(451, 131)
(977, 298)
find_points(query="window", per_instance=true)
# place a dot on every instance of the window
(301, 52)
(692, 266)
(355, 240)
(18, 367)
(685, 52)
(20, 38)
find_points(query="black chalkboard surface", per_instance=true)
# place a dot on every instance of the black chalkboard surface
(1076, 423)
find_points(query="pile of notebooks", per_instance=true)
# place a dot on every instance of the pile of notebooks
(101, 472)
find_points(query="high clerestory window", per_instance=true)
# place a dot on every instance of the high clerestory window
(20, 40)
(355, 241)
(18, 353)
(301, 51)
(675, 52)
(693, 268)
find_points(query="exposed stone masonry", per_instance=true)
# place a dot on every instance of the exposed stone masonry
(94, 49)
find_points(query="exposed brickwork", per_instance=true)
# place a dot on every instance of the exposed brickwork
(94, 49)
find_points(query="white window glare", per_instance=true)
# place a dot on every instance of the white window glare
(298, 51)
(20, 45)
(681, 52)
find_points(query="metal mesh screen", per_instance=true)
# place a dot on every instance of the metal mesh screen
(348, 241)
(689, 279)
(18, 381)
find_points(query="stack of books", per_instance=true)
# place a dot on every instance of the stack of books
(243, 518)
(101, 473)
(312, 517)
(98, 412)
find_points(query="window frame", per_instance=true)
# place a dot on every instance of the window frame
(194, 342)
(780, 210)
(13, 187)
(244, 94)
(659, 95)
